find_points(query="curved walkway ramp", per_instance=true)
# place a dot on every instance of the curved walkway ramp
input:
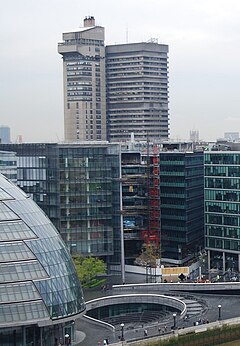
(171, 302)
(226, 288)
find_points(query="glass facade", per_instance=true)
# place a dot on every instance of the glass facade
(222, 210)
(110, 313)
(8, 164)
(38, 281)
(182, 203)
(89, 205)
(77, 186)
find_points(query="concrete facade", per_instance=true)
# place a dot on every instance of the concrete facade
(137, 91)
(83, 55)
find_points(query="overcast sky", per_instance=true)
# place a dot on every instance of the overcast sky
(204, 60)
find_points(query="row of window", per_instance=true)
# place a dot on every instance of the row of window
(222, 195)
(223, 244)
(222, 158)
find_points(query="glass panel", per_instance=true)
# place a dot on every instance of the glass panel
(22, 312)
(4, 195)
(16, 230)
(21, 271)
(6, 213)
(16, 251)
(17, 292)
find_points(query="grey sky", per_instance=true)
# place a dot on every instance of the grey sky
(204, 67)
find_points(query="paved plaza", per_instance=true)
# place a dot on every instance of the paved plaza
(201, 308)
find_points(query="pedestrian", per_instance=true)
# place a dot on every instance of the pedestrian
(145, 332)
(165, 327)
(159, 330)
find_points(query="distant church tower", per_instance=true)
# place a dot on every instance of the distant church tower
(194, 136)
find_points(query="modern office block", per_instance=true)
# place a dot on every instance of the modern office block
(5, 134)
(137, 91)
(181, 205)
(222, 210)
(158, 193)
(90, 199)
(41, 295)
(83, 55)
(77, 186)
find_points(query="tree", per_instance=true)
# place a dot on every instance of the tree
(88, 268)
(148, 256)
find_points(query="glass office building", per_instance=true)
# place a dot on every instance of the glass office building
(41, 295)
(181, 204)
(222, 209)
(77, 186)
(90, 199)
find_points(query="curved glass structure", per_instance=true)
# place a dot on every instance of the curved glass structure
(40, 294)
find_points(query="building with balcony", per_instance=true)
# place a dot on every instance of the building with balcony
(137, 91)
(134, 202)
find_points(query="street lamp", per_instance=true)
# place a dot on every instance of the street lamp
(174, 320)
(219, 312)
(122, 329)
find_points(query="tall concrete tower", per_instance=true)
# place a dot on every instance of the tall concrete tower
(137, 91)
(83, 55)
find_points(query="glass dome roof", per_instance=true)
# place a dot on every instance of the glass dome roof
(38, 281)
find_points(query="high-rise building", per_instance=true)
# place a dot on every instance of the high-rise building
(135, 79)
(5, 134)
(137, 91)
(83, 53)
